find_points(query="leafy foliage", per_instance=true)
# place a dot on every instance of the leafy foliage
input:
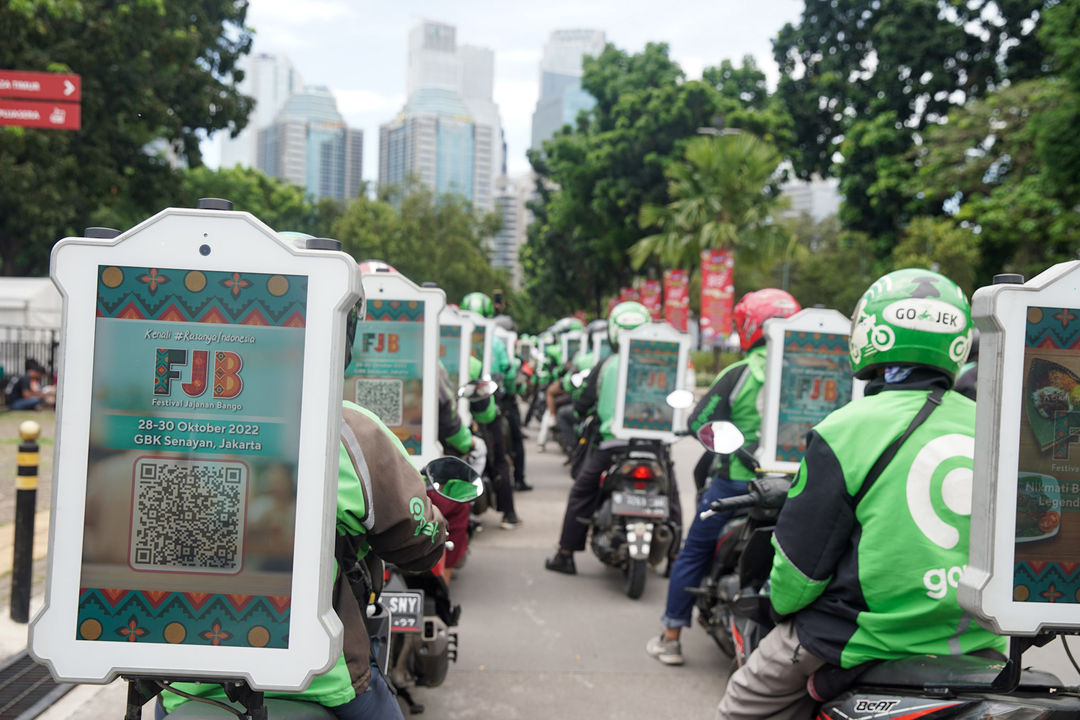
(151, 71)
(425, 236)
(721, 197)
(594, 180)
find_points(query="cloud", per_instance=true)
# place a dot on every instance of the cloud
(302, 13)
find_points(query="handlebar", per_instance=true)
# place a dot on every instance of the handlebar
(731, 503)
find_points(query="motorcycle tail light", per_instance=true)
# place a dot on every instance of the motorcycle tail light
(640, 486)
(386, 575)
(642, 472)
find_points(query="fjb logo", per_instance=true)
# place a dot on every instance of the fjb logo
(226, 379)
(379, 342)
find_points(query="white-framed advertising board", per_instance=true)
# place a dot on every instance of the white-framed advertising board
(572, 342)
(455, 334)
(197, 442)
(395, 356)
(652, 364)
(807, 376)
(1024, 570)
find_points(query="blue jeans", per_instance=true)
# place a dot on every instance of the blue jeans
(697, 552)
(375, 702)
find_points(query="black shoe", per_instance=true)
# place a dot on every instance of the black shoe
(562, 563)
(522, 486)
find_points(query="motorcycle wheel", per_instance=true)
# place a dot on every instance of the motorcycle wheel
(635, 578)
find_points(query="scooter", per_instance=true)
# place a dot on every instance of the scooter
(965, 687)
(632, 527)
(422, 644)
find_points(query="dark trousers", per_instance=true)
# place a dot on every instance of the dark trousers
(565, 422)
(582, 500)
(585, 491)
(508, 406)
(499, 465)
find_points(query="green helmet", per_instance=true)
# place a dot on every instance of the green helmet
(478, 303)
(911, 317)
(625, 316)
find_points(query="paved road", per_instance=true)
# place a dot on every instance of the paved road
(536, 644)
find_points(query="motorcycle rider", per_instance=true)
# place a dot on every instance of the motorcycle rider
(505, 365)
(486, 415)
(377, 491)
(457, 440)
(733, 396)
(866, 562)
(598, 395)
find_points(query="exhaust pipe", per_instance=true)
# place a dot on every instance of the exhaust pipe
(661, 546)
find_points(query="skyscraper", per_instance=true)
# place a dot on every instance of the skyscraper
(561, 96)
(505, 247)
(269, 79)
(308, 144)
(449, 133)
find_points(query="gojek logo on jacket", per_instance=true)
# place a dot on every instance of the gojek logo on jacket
(941, 475)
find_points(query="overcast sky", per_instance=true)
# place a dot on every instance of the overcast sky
(358, 47)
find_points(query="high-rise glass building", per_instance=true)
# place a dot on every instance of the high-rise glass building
(308, 144)
(269, 79)
(561, 97)
(449, 133)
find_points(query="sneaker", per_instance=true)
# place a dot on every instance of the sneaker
(668, 652)
(561, 563)
(510, 521)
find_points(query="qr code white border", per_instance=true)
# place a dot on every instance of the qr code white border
(246, 479)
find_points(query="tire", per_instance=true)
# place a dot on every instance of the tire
(635, 578)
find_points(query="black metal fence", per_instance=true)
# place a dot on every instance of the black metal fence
(19, 343)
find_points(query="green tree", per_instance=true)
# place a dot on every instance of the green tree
(151, 71)
(830, 266)
(594, 179)
(721, 198)
(425, 236)
(848, 62)
(986, 170)
(939, 245)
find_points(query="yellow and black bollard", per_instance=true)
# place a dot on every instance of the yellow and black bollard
(26, 482)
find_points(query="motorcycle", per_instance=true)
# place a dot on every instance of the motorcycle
(733, 605)
(733, 597)
(631, 528)
(418, 643)
(422, 644)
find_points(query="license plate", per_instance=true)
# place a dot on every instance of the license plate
(639, 504)
(406, 609)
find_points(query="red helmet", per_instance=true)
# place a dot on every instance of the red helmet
(756, 307)
(374, 266)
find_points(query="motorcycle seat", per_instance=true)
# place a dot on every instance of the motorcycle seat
(919, 671)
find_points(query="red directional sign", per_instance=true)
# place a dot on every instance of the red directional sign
(40, 86)
(29, 113)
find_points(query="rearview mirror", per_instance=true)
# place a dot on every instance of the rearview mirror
(721, 436)
(453, 479)
(478, 389)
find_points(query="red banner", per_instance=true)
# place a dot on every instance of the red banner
(628, 294)
(580, 315)
(650, 298)
(676, 298)
(717, 290)
(40, 85)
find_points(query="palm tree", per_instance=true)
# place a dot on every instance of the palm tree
(720, 198)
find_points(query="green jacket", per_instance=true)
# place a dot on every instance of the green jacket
(876, 577)
(483, 411)
(599, 393)
(374, 471)
(735, 396)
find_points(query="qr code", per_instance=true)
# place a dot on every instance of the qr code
(188, 516)
(382, 397)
